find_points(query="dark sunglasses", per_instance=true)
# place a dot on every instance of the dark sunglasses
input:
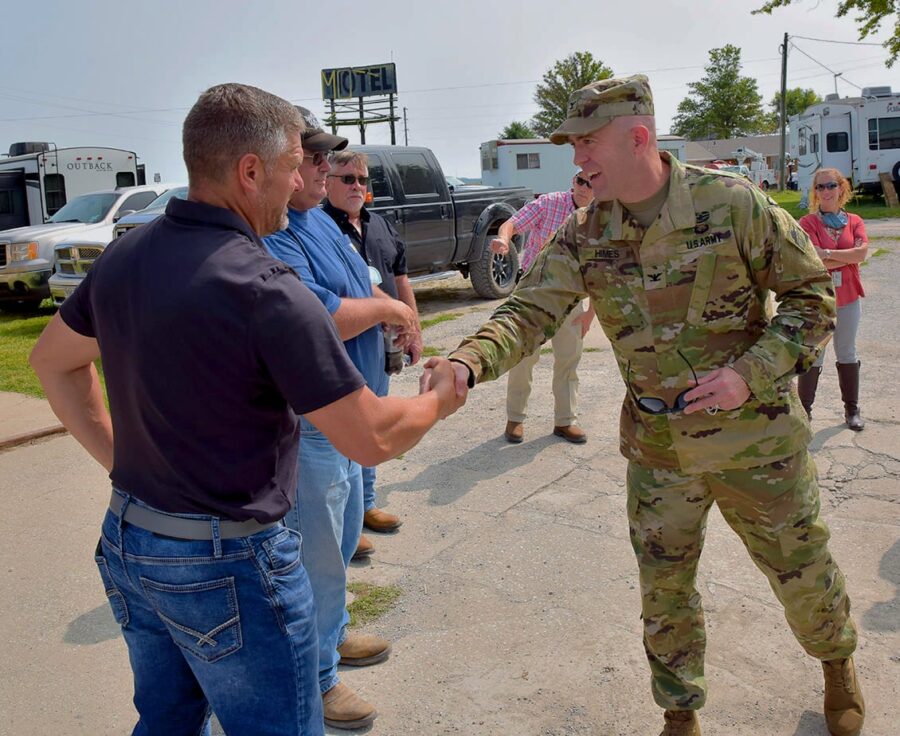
(829, 185)
(582, 182)
(656, 406)
(349, 179)
(317, 158)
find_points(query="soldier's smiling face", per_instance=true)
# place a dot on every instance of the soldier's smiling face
(605, 155)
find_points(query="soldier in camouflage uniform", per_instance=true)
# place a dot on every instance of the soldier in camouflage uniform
(710, 414)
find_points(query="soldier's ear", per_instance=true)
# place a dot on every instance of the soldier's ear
(640, 138)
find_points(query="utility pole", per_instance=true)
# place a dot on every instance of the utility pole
(782, 163)
(405, 129)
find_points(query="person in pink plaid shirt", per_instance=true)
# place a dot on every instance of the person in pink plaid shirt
(541, 218)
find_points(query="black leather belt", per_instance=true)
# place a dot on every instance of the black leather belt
(168, 525)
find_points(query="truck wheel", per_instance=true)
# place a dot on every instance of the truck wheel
(494, 276)
(895, 175)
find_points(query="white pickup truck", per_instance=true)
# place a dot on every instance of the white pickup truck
(28, 254)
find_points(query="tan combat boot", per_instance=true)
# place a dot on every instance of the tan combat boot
(681, 723)
(345, 709)
(361, 650)
(844, 706)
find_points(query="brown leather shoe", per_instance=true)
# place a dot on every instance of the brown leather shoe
(572, 433)
(364, 548)
(681, 723)
(514, 432)
(380, 521)
(360, 650)
(844, 706)
(345, 709)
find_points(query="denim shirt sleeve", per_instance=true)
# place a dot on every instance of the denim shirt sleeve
(286, 248)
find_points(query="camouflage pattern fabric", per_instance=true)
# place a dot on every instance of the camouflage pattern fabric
(687, 295)
(774, 509)
(598, 103)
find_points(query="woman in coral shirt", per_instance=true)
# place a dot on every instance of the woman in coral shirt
(841, 242)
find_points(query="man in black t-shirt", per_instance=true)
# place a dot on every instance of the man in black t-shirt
(383, 249)
(203, 337)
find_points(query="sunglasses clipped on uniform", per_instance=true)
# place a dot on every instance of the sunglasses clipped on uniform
(827, 185)
(349, 179)
(657, 406)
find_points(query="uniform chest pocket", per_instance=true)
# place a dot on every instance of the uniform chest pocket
(614, 283)
(721, 293)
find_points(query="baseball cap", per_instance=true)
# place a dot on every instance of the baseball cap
(598, 103)
(315, 138)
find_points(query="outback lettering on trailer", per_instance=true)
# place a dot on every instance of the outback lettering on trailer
(88, 166)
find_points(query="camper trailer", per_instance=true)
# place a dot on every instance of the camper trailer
(858, 136)
(37, 179)
(541, 166)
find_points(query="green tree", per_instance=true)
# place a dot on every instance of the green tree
(516, 130)
(560, 81)
(870, 14)
(723, 104)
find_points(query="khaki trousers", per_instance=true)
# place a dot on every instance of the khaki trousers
(567, 345)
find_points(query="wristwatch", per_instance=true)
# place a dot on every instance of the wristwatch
(827, 253)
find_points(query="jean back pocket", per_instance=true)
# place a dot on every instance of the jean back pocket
(202, 617)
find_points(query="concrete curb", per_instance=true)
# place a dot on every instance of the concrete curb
(20, 439)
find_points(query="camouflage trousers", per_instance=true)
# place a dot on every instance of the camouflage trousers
(774, 509)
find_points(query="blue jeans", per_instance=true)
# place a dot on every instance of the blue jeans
(226, 625)
(328, 513)
(368, 474)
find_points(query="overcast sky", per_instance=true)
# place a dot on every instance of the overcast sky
(123, 74)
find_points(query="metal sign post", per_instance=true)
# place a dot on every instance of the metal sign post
(361, 96)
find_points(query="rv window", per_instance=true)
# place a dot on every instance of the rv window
(380, 185)
(888, 133)
(814, 143)
(488, 162)
(5, 203)
(55, 191)
(802, 142)
(528, 160)
(414, 173)
(873, 134)
(837, 142)
(125, 179)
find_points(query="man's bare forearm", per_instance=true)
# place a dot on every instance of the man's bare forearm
(355, 316)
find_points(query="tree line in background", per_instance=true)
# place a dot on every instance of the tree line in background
(723, 104)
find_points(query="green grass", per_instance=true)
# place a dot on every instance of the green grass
(450, 316)
(371, 602)
(18, 333)
(867, 207)
(877, 253)
(429, 351)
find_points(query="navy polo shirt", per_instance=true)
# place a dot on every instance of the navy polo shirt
(379, 244)
(203, 337)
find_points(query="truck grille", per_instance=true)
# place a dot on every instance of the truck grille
(76, 259)
(122, 229)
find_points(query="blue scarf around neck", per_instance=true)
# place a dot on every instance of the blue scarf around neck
(836, 220)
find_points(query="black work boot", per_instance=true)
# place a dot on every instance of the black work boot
(807, 383)
(845, 710)
(848, 378)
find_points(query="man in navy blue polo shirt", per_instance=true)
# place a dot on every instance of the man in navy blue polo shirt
(329, 511)
(202, 336)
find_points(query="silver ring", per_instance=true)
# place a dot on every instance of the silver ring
(712, 409)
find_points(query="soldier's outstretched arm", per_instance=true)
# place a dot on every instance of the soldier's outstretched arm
(550, 290)
(782, 259)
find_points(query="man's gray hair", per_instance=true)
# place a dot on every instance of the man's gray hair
(357, 159)
(231, 120)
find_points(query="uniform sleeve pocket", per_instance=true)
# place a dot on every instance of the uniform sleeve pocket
(202, 617)
(703, 279)
(113, 594)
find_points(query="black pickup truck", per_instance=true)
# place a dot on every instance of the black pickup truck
(444, 228)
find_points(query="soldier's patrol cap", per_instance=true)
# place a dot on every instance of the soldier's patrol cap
(593, 106)
(314, 138)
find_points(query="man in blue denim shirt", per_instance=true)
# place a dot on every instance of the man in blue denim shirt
(329, 510)
(203, 335)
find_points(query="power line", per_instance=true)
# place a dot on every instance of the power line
(831, 40)
(823, 66)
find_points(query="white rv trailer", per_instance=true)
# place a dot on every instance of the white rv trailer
(858, 136)
(37, 179)
(541, 166)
